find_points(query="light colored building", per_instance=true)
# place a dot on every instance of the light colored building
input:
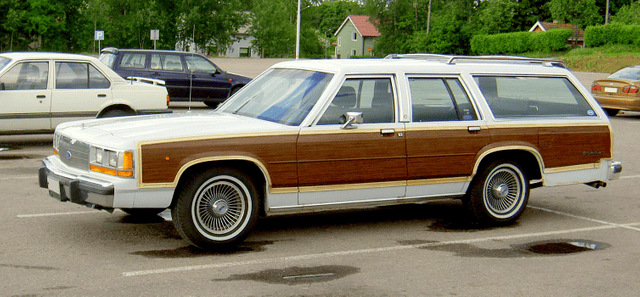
(241, 48)
(356, 37)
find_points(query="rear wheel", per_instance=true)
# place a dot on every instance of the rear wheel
(212, 104)
(498, 194)
(611, 112)
(117, 113)
(216, 208)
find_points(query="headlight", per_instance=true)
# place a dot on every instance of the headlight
(111, 162)
(56, 143)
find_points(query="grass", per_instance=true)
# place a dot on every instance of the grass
(606, 59)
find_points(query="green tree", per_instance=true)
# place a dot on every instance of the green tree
(403, 26)
(628, 14)
(528, 12)
(581, 13)
(272, 28)
(496, 16)
(273, 24)
(211, 24)
(328, 16)
(13, 14)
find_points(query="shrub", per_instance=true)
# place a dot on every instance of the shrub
(610, 34)
(520, 42)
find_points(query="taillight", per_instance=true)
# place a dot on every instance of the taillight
(630, 90)
(596, 87)
(167, 100)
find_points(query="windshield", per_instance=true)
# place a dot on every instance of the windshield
(632, 73)
(3, 62)
(107, 59)
(282, 95)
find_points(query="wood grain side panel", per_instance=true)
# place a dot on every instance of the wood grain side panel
(443, 153)
(347, 158)
(161, 162)
(568, 146)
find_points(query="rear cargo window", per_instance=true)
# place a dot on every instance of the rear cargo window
(529, 96)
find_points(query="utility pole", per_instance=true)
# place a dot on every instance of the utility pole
(429, 17)
(298, 32)
(606, 18)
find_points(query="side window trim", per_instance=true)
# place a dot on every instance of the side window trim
(566, 79)
(445, 78)
(393, 92)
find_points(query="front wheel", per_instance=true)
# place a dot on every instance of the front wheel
(498, 194)
(216, 208)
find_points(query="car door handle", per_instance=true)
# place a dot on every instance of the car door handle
(102, 95)
(474, 129)
(387, 131)
(41, 96)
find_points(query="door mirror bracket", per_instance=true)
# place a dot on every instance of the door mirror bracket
(352, 117)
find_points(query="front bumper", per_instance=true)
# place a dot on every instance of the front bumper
(78, 189)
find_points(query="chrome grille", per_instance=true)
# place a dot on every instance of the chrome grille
(74, 153)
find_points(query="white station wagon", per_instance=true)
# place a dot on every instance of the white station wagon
(317, 135)
(38, 91)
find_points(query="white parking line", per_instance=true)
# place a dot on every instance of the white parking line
(626, 226)
(630, 176)
(34, 177)
(362, 251)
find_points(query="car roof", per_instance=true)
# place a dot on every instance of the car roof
(114, 50)
(426, 66)
(43, 55)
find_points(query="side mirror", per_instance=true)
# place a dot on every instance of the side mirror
(352, 117)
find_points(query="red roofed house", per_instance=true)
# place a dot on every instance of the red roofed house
(356, 37)
(576, 39)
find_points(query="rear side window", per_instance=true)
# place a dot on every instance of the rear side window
(166, 62)
(133, 60)
(440, 99)
(529, 96)
(74, 75)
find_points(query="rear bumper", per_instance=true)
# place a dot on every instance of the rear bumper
(618, 102)
(615, 168)
(74, 188)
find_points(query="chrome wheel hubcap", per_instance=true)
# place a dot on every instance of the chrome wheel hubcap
(504, 191)
(220, 206)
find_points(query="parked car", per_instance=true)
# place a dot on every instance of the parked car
(619, 91)
(38, 91)
(320, 135)
(187, 76)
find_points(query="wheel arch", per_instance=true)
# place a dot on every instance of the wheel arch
(527, 157)
(256, 171)
(119, 106)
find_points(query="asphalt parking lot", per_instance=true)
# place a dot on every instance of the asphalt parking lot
(571, 241)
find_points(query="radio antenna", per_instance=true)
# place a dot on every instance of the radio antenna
(193, 41)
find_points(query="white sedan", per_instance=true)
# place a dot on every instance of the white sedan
(38, 91)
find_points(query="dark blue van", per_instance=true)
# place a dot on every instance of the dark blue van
(187, 76)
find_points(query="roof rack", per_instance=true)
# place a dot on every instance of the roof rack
(489, 59)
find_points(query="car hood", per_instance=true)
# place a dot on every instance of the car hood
(166, 126)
